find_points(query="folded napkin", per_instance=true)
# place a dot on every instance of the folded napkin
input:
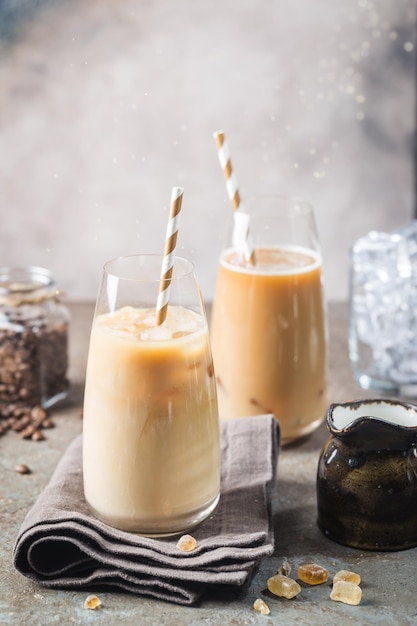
(62, 545)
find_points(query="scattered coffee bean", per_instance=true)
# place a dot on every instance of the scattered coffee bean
(48, 423)
(27, 432)
(21, 468)
(26, 421)
(38, 413)
(37, 435)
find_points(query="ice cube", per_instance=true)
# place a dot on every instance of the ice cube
(156, 333)
(382, 256)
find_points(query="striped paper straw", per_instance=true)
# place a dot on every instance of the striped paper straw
(233, 193)
(169, 255)
(226, 165)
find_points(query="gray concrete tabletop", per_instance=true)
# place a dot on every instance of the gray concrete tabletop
(388, 578)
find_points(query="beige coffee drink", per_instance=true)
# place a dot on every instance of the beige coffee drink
(268, 338)
(268, 327)
(151, 447)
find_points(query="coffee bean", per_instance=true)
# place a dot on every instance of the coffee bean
(48, 423)
(21, 468)
(37, 435)
(27, 432)
(38, 413)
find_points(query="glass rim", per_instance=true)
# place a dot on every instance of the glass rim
(188, 267)
(373, 239)
(296, 204)
(21, 278)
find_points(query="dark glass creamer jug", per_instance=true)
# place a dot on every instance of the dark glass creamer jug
(367, 475)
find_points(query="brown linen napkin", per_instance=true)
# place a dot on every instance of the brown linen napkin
(62, 545)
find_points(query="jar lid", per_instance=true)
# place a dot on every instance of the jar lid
(21, 280)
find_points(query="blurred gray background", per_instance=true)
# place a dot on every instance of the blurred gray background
(106, 105)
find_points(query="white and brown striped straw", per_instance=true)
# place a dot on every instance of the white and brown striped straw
(169, 255)
(231, 186)
(226, 165)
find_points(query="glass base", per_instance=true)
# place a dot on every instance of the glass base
(303, 433)
(161, 528)
(387, 387)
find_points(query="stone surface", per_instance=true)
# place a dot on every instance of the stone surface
(387, 578)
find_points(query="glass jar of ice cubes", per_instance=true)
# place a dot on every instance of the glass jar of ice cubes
(383, 315)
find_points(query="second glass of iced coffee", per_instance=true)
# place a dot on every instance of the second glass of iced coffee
(268, 328)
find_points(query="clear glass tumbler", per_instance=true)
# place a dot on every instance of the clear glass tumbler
(382, 318)
(268, 326)
(151, 454)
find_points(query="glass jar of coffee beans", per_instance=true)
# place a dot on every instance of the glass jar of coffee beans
(33, 339)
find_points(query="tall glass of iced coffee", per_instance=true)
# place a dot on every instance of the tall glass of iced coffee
(268, 326)
(151, 456)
